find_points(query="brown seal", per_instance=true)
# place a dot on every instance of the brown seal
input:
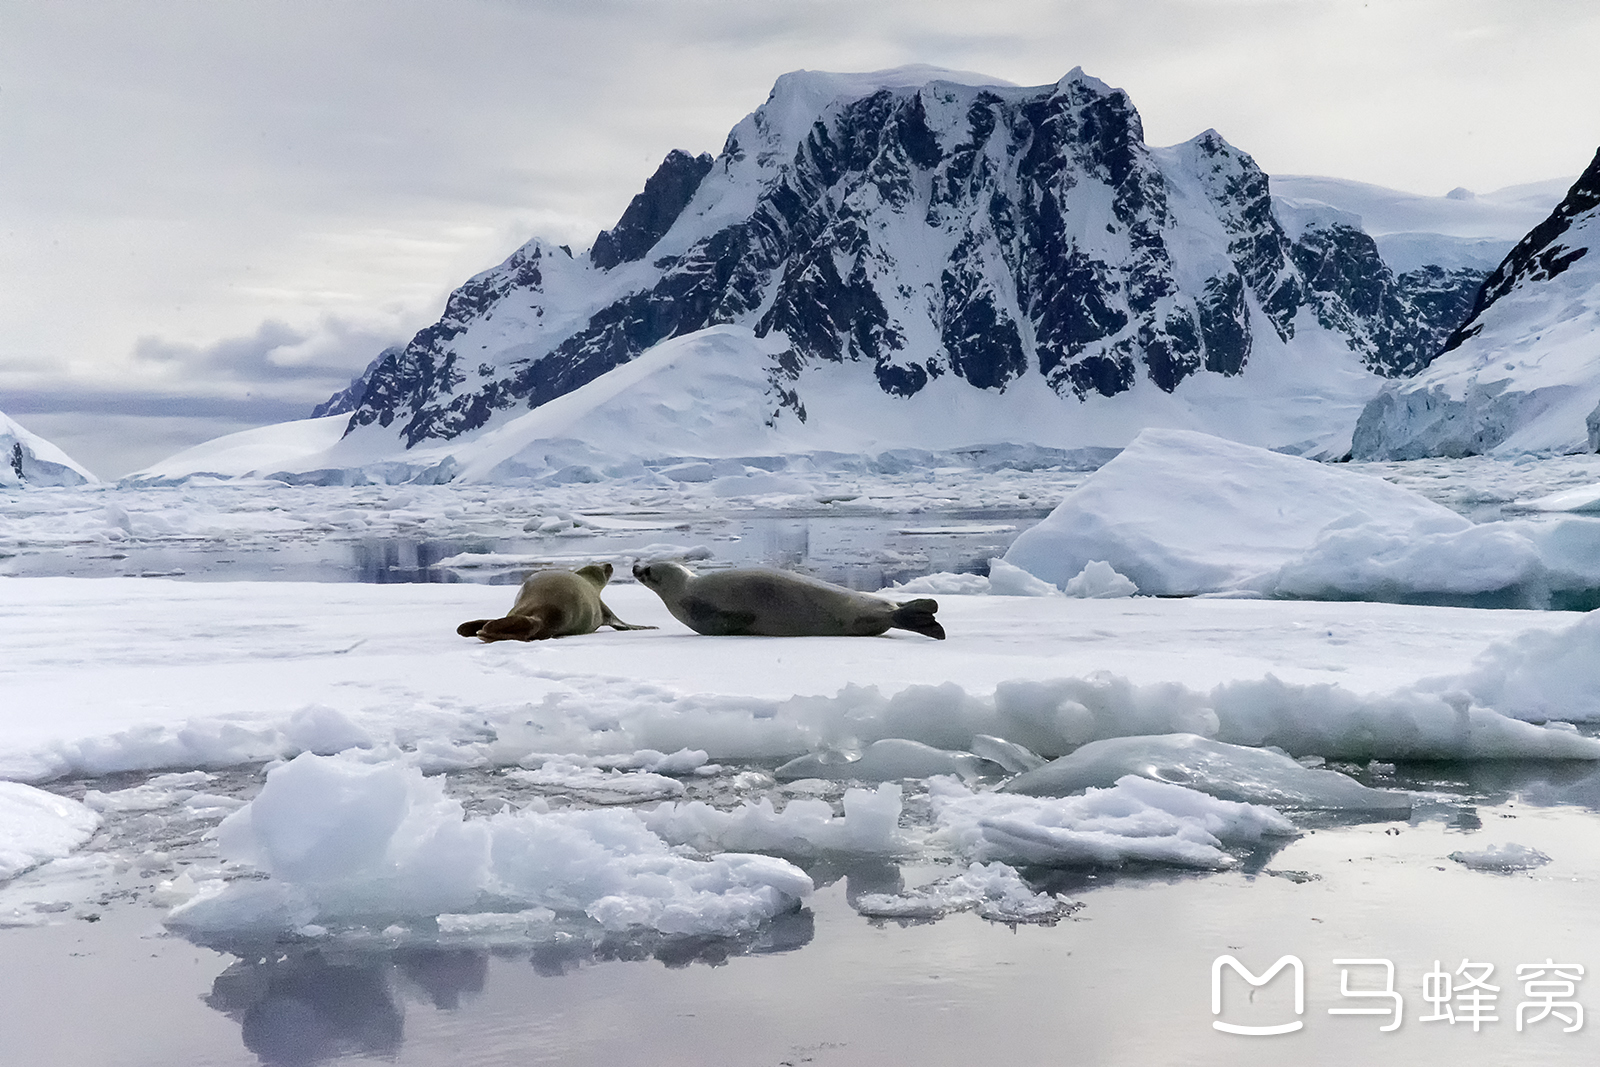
(554, 603)
(759, 601)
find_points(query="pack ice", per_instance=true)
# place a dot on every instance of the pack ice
(1182, 513)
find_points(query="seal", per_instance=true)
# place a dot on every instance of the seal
(553, 603)
(760, 601)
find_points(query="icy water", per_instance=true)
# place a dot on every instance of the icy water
(865, 552)
(1123, 978)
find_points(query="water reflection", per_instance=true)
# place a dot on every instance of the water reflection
(861, 552)
(303, 1009)
(299, 1005)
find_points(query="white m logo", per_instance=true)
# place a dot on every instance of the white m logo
(1258, 1031)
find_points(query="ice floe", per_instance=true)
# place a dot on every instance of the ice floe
(347, 843)
(1507, 857)
(36, 827)
(994, 890)
(1182, 513)
(1229, 772)
(1136, 820)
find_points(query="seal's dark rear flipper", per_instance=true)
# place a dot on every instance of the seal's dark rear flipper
(470, 629)
(917, 616)
(517, 628)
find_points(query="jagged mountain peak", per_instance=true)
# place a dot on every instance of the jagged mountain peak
(918, 224)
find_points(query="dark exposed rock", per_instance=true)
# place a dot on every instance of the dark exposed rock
(650, 214)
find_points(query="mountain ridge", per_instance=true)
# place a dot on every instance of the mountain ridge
(925, 227)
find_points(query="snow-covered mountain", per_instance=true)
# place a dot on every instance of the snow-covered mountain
(28, 459)
(1523, 372)
(959, 262)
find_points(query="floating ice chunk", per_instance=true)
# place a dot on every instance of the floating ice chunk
(1135, 821)
(1099, 581)
(1507, 857)
(1584, 498)
(805, 827)
(683, 761)
(943, 583)
(600, 786)
(36, 827)
(1229, 772)
(994, 890)
(1013, 757)
(1180, 512)
(882, 761)
(349, 843)
(1006, 579)
(162, 791)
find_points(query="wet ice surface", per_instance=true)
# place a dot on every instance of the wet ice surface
(943, 919)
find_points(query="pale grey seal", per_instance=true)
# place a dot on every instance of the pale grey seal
(759, 601)
(553, 603)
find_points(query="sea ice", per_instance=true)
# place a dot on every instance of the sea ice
(1541, 676)
(886, 760)
(1181, 513)
(994, 890)
(805, 827)
(36, 827)
(1099, 580)
(1507, 857)
(1137, 820)
(1230, 772)
(346, 842)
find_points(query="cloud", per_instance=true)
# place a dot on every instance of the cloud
(274, 353)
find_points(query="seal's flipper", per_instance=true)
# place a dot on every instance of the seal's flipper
(609, 618)
(917, 616)
(470, 629)
(519, 628)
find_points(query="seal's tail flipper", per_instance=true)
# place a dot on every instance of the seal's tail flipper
(470, 629)
(517, 628)
(917, 616)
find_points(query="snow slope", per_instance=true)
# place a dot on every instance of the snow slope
(28, 459)
(1523, 373)
(707, 395)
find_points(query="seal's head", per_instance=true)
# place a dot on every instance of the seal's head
(667, 579)
(596, 574)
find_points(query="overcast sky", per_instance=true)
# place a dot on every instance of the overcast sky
(215, 213)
